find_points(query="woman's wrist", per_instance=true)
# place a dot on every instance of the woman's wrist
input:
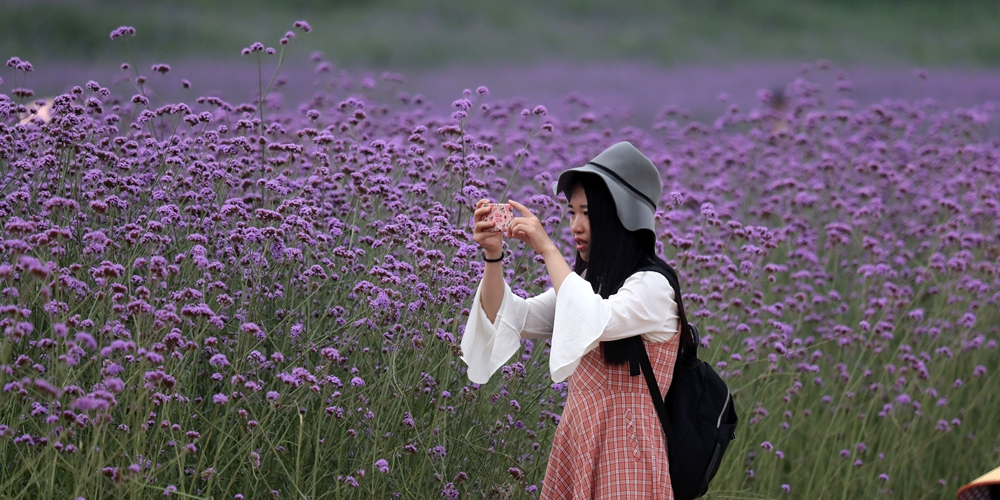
(551, 252)
(496, 257)
(557, 267)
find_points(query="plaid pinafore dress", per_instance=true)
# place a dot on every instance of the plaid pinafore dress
(609, 443)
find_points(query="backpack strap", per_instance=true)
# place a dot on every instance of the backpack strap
(640, 358)
(689, 340)
(654, 389)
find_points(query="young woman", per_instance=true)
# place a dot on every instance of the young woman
(609, 442)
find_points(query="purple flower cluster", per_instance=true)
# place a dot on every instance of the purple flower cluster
(122, 31)
(210, 294)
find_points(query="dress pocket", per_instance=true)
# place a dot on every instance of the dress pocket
(632, 435)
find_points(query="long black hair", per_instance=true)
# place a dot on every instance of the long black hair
(615, 252)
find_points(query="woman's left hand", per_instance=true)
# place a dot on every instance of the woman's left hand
(528, 229)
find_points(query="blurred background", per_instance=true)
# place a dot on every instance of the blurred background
(631, 56)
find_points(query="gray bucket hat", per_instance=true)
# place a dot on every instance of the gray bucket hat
(631, 178)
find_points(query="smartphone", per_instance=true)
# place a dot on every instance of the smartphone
(501, 214)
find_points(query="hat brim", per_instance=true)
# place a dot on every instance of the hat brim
(968, 491)
(633, 211)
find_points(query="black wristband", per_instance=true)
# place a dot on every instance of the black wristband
(498, 259)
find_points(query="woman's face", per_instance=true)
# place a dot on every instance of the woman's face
(579, 222)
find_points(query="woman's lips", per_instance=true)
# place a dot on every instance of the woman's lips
(580, 245)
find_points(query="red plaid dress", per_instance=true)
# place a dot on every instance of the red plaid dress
(609, 443)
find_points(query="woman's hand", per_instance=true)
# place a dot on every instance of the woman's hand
(528, 229)
(490, 241)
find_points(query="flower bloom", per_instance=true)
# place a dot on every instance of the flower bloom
(122, 31)
(89, 403)
(219, 360)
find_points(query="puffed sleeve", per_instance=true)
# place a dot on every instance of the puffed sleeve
(643, 305)
(486, 345)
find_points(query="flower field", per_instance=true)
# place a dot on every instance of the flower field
(212, 299)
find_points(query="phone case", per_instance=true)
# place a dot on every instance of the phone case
(502, 214)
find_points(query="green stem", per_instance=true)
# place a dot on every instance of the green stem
(260, 109)
(519, 160)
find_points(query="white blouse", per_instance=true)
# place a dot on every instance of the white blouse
(577, 320)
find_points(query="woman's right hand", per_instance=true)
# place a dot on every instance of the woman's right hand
(490, 241)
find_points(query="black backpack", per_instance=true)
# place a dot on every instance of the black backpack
(697, 414)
